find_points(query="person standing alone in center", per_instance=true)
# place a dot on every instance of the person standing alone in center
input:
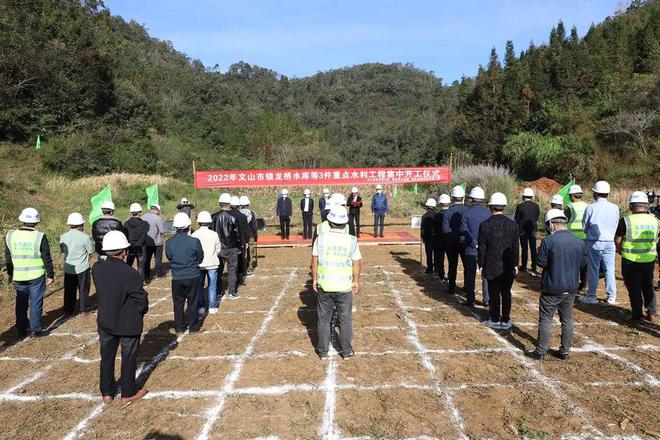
(307, 210)
(379, 208)
(527, 215)
(354, 204)
(283, 210)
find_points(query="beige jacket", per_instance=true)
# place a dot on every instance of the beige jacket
(211, 246)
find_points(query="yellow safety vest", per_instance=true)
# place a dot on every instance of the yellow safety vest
(24, 246)
(575, 222)
(641, 234)
(335, 269)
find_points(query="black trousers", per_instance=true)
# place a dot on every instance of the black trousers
(242, 264)
(638, 278)
(470, 276)
(548, 305)
(307, 219)
(129, 348)
(439, 260)
(430, 255)
(528, 242)
(157, 253)
(141, 257)
(354, 223)
(228, 257)
(453, 253)
(285, 224)
(72, 284)
(499, 290)
(184, 293)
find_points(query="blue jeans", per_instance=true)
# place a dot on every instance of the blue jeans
(601, 253)
(29, 294)
(212, 275)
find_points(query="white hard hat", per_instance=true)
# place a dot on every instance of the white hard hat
(477, 193)
(184, 200)
(338, 215)
(204, 217)
(497, 199)
(554, 213)
(108, 205)
(444, 199)
(575, 189)
(557, 199)
(528, 192)
(235, 201)
(326, 191)
(639, 197)
(225, 198)
(307, 192)
(354, 190)
(181, 220)
(29, 215)
(135, 207)
(285, 191)
(601, 187)
(379, 186)
(337, 199)
(431, 203)
(114, 241)
(75, 219)
(244, 200)
(458, 192)
(155, 205)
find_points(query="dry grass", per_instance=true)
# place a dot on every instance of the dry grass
(109, 179)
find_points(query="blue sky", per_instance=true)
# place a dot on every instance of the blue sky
(301, 37)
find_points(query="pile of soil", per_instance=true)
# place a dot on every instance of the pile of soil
(545, 185)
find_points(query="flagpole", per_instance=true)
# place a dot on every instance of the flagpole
(196, 197)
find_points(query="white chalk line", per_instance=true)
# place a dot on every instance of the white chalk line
(413, 337)
(214, 412)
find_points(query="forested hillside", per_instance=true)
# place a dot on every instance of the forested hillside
(104, 96)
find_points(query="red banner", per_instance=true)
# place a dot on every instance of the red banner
(321, 176)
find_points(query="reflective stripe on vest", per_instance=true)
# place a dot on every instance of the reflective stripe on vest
(575, 222)
(24, 247)
(641, 234)
(335, 269)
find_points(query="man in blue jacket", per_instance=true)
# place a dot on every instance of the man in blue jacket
(379, 209)
(562, 256)
(453, 236)
(472, 218)
(185, 254)
(283, 210)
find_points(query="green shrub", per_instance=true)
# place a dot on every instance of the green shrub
(77, 155)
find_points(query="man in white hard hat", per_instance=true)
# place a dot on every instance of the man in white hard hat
(557, 202)
(307, 211)
(30, 267)
(471, 220)
(226, 226)
(137, 232)
(599, 222)
(76, 247)
(324, 206)
(527, 216)
(453, 236)
(154, 246)
(283, 210)
(440, 243)
(244, 231)
(104, 224)
(574, 212)
(185, 254)
(354, 204)
(379, 209)
(251, 255)
(335, 278)
(427, 233)
(185, 206)
(562, 255)
(209, 266)
(122, 304)
(636, 238)
(498, 257)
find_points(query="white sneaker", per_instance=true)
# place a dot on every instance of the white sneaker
(587, 300)
(491, 324)
(213, 310)
(201, 310)
(611, 301)
(505, 325)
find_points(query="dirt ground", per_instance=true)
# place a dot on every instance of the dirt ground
(424, 367)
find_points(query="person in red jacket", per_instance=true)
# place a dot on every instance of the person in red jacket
(354, 204)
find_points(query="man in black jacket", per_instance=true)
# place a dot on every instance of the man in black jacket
(226, 226)
(105, 224)
(439, 249)
(185, 254)
(427, 233)
(122, 303)
(527, 215)
(307, 210)
(324, 204)
(354, 204)
(244, 231)
(186, 207)
(251, 245)
(562, 256)
(498, 257)
(137, 231)
(283, 210)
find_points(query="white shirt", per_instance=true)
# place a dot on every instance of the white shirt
(306, 206)
(211, 246)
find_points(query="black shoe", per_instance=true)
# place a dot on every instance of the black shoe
(563, 355)
(196, 329)
(348, 356)
(40, 333)
(468, 304)
(451, 292)
(535, 355)
(322, 356)
(428, 272)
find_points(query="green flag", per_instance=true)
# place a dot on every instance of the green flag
(395, 191)
(464, 185)
(104, 196)
(152, 195)
(564, 192)
(416, 189)
(37, 146)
